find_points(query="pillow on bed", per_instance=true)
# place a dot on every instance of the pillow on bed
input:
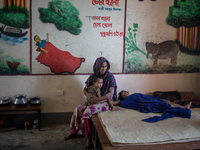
(186, 97)
(189, 96)
(170, 95)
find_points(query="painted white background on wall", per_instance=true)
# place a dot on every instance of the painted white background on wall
(89, 43)
(150, 17)
(17, 50)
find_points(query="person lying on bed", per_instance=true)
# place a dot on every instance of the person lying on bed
(148, 103)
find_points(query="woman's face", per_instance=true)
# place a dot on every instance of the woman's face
(124, 94)
(103, 68)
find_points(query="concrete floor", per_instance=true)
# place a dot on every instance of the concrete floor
(49, 138)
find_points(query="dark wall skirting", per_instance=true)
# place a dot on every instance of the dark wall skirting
(56, 118)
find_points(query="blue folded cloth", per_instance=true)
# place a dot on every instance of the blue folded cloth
(170, 113)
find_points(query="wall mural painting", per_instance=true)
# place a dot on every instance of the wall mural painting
(133, 62)
(63, 15)
(184, 16)
(15, 14)
(104, 25)
(14, 18)
(105, 19)
(160, 36)
(180, 52)
(66, 18)
(59, 61)
(143, 0)
(11, 66)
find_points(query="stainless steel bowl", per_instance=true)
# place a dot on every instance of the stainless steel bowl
(34, 100)
(5, 100)
(20, 100)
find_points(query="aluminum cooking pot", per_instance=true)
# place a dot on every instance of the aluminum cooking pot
(20, 100)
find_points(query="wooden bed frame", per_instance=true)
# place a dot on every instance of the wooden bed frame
(101, 142)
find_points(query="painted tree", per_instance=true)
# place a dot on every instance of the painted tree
(184, 16)
(63, 14)
(14, 14)
(184, 13)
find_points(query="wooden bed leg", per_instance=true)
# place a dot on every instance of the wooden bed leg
(95, 138)
(93, 131)
(100, 146)
(93, 135)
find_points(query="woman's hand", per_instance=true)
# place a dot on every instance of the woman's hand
(93, 99)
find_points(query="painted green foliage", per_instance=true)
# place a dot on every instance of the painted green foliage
(15, 16)
(136, 61)
(11, 66)
(184, 13)
(133, 55)
(131, 45)
(63, 14)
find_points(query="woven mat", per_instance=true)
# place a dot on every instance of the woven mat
(124, 127)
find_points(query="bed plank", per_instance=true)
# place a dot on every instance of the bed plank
(106, 145)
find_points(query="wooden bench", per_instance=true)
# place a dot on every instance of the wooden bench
(28, 107)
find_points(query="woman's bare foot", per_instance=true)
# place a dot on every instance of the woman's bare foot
(70, 136)
(188, 105)
(88, 144)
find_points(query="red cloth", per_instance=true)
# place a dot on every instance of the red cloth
(59, 61)
(88, 128)
(73, 131)
(1, 121)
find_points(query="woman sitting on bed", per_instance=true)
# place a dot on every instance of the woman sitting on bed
(148, 103)
(81, 118)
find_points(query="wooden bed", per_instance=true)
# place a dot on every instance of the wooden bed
(101, 139)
